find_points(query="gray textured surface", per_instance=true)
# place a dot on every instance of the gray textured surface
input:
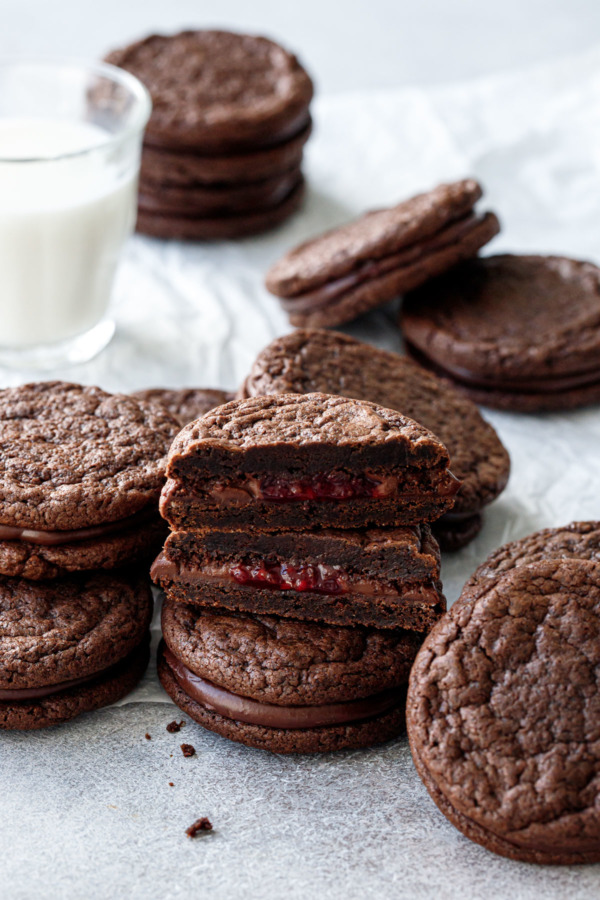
(86, 810)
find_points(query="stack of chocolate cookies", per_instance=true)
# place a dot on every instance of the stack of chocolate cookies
(80, 475)
(301, 575)
(223, 147)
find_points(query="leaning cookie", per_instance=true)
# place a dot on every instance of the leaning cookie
(80, 476)
(70, 646)
(502, 713)
(317, 360)
(285, 685)
(518, 333)
(185, 404)
(345, 272)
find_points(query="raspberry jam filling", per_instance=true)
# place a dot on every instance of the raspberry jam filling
(285, 577)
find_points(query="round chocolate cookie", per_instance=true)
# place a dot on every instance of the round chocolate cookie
(513, 332)
(183, 170)
(185, 404)
(69, 646)
(579, 540)
(199, 200)
(80, 476)
(503, 710)
(313, 360)
(349, 270)
(216, 91)
(218, 228)
(282, 684)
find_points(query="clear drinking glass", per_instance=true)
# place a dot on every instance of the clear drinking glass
(70, 144)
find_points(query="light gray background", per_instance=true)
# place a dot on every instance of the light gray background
(87, 810)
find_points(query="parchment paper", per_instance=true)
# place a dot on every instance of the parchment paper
(86, 810)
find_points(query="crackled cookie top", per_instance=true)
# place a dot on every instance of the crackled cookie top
(185, 404)
(317, 360)
(286, 661)
(212, 89)
(504, 712)
(52, 632)
(75, 456)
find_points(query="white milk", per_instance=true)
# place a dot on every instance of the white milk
(63, 223)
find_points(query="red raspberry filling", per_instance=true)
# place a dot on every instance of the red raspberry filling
(284, 577)
(333, 486)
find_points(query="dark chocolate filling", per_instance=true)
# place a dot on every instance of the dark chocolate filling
(56, 538)
(543, 384)
(268, 715)
(376, 268)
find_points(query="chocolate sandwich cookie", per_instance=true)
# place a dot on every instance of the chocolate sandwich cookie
(579, 540)
(386, 578)
(70, 646)
(503, 711)
(205, 201)
(316, 360)
(216, 91)
(189, 227)
(80, 476)
(519, 333)
(347, 271)
(285, 685)
(190, 170)
(185, 404)
(312, 461)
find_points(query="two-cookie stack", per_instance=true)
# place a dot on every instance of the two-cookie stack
(223, 148)
(80, 475)
(301, 575)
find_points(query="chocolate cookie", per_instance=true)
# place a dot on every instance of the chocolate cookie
(503, 710)
(296, 462)
(215, 91)
(185, 404)
(386, 578)
(285, 685)
(183, 170)
(313, 360)
(80, 475)
(579, 540)
(222, 227)
(347, 271)
(69, 646)
(513, 332)
(206, 201)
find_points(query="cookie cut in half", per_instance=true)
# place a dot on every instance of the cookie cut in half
(503, 713)
(70, 646)
(299, 462)
(316, 360)
(386, 578)
(285, 685)
(518, 333)
(349, 270)
(80, 477)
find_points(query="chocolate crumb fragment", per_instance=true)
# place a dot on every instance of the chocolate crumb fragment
(199, 825)
(148, 736)
(171, 784)
(174, 727)
(188, 750)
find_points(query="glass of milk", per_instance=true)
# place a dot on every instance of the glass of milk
(70, 144)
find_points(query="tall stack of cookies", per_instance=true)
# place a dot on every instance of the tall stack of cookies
(223, 148)
(301, 575)
(80, 475)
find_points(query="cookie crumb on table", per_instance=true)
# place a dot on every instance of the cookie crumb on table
(199, 825)
(148, 736)
(188, 750)
(174, 727)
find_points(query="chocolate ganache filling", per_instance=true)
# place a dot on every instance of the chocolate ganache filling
(57, 538)
(269, 715)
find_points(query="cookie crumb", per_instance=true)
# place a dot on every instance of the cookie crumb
(188, 750)
(171, 784)
(199, 825)
(148, 736)
(174, 727)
